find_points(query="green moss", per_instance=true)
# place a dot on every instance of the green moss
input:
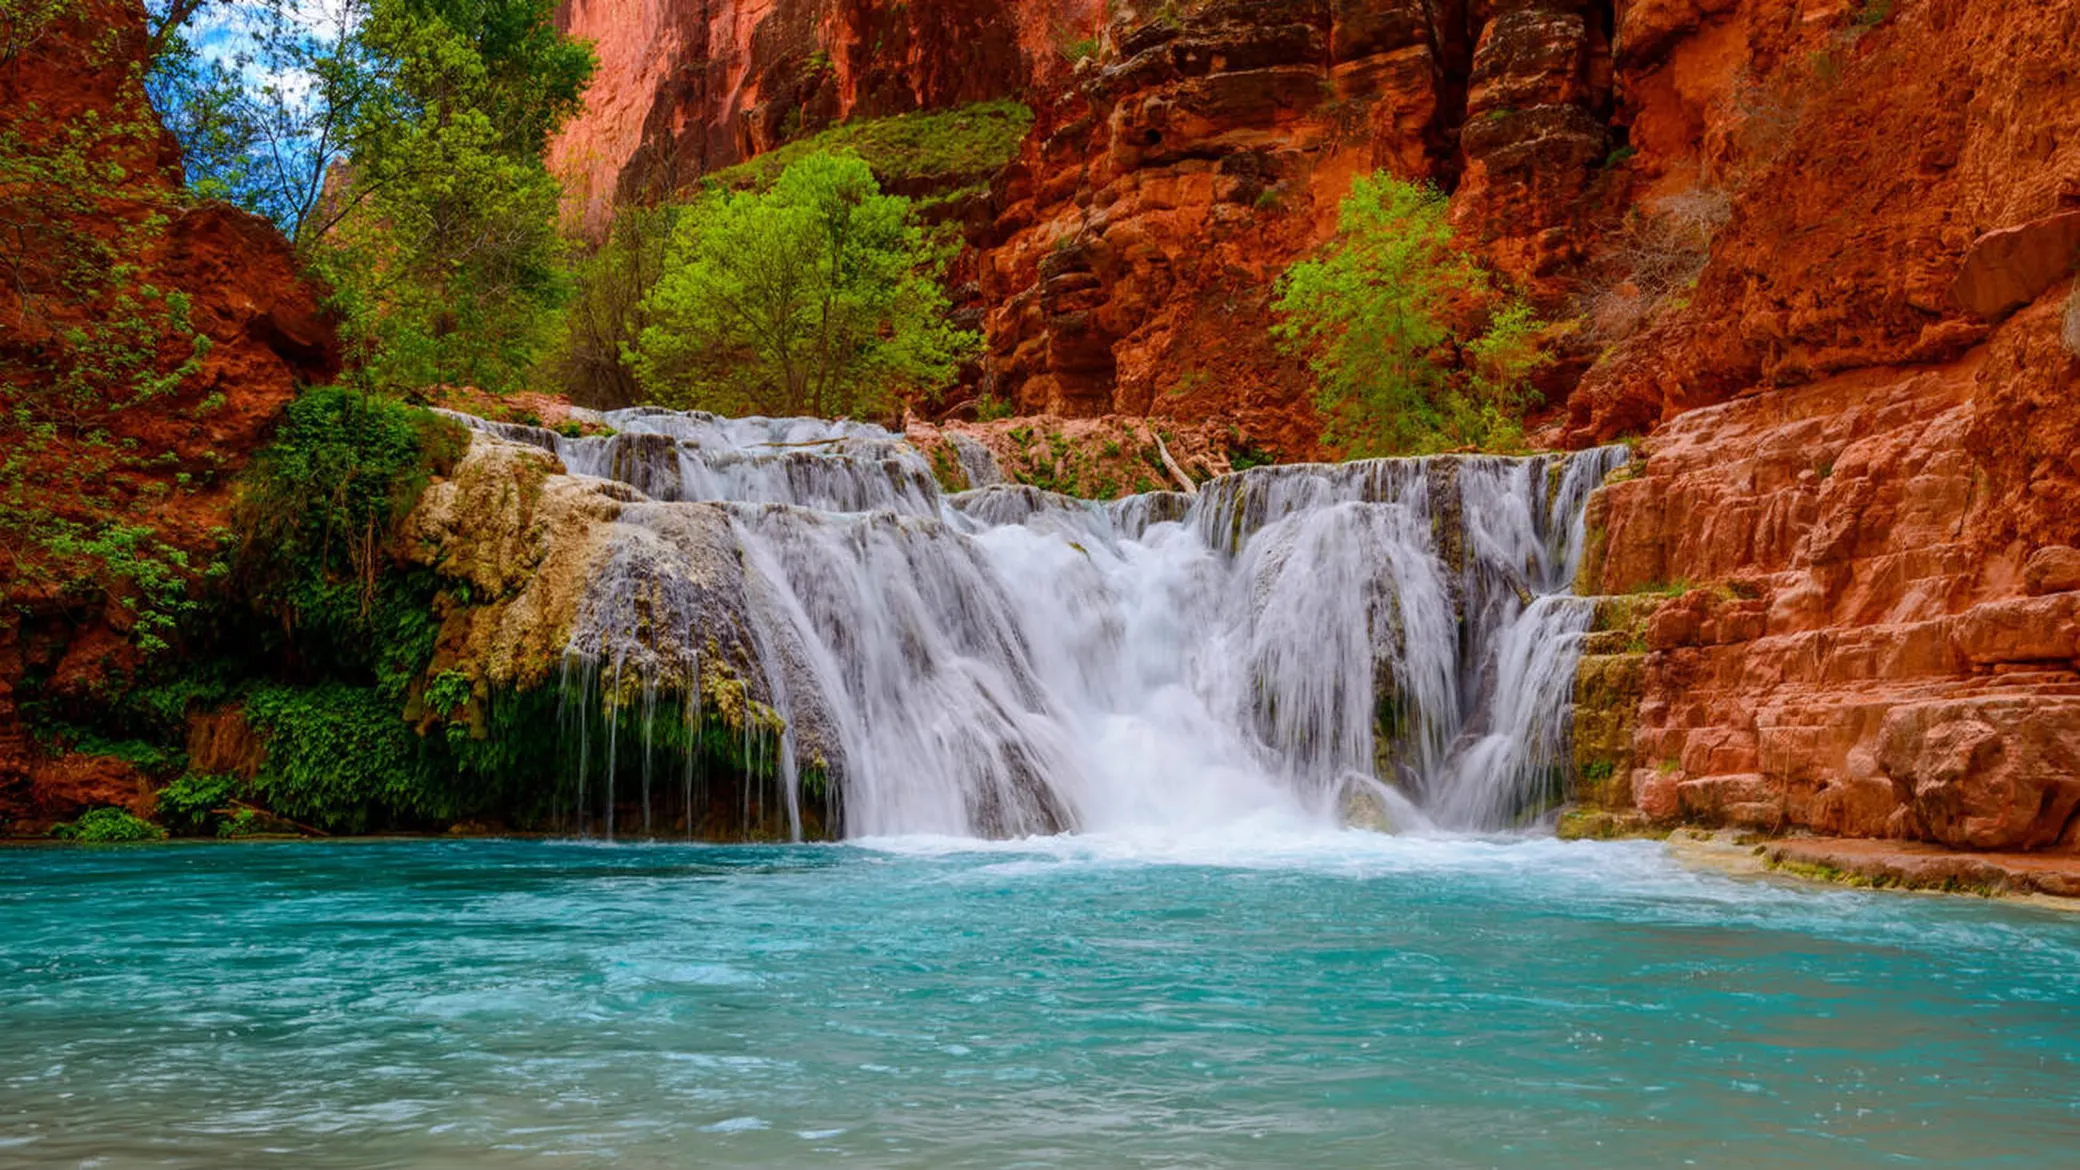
(1078, 50)
(1594, 824)
(937, 148)
(716, 775)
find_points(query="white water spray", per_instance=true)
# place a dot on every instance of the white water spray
(1388, 641)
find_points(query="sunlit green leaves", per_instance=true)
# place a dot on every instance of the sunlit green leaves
(1412, 348)
(820, 296)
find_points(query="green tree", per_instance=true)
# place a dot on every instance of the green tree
(819, 296)
(593, 362)
(399, 143)
(1381, 316)
(440, 230)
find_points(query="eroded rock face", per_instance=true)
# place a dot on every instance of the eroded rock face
(266, 335)
(1129, 269)
(2008, 268)
(1862, 164)
(689, 86)
(1883, 639)
(1184, 155)
(1537, 129)
(1985, 773)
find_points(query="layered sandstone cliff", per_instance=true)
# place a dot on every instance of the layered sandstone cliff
(1860, 479)
(686, 87)
(1184, 154)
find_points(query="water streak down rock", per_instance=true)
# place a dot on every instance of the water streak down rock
(1303, 641)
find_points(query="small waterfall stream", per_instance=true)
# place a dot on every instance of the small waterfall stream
(1387, 642)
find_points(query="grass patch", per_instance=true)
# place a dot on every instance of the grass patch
(960, 146)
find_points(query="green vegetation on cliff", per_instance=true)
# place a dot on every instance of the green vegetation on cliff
(319, 512)
(947, 153)
(1414, 350)
(820, 296)
(399, 143)
(89, 344)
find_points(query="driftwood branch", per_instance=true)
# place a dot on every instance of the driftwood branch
(274, 816)
(1176, 472)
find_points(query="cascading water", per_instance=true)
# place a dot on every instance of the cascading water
(1386, 641)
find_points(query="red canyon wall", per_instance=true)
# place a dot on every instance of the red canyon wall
(177, 450)
(1172, 173)
(1865, 435)
(690, 86)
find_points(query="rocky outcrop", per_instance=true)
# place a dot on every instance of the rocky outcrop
(690, 86)
(1536, 136)
(1863, 149)
(2010, 267)
(1091, 459)
(1875, 631)
(71, 88)
(1130, 268)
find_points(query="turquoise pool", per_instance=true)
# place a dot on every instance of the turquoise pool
(1251, 1001)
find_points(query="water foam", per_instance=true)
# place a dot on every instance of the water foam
(1388, 642)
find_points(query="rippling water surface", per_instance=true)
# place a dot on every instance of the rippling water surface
(1341, 1000)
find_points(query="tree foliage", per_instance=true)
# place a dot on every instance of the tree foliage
(318, 512)
(1383, 315)
(820, 296)
(593, 359)
(400, 144)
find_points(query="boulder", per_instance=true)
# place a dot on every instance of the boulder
(2052, 570)
(1997, 772)
(2008, 268)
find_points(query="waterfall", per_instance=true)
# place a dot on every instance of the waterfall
(1385, 641)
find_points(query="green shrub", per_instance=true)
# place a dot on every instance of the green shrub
(1080, 49)
(1386, 316)
(1244, 453)
(447, 692)
(592, 360)
(319, 510)
(108, 826)
(196, 805)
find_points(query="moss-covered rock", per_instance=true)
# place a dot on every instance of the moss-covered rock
(1610, 680)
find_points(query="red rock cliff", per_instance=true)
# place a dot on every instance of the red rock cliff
(1190, 151)
(1863, 427)
(174, 450)
(689, 86)
(1208, 147)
